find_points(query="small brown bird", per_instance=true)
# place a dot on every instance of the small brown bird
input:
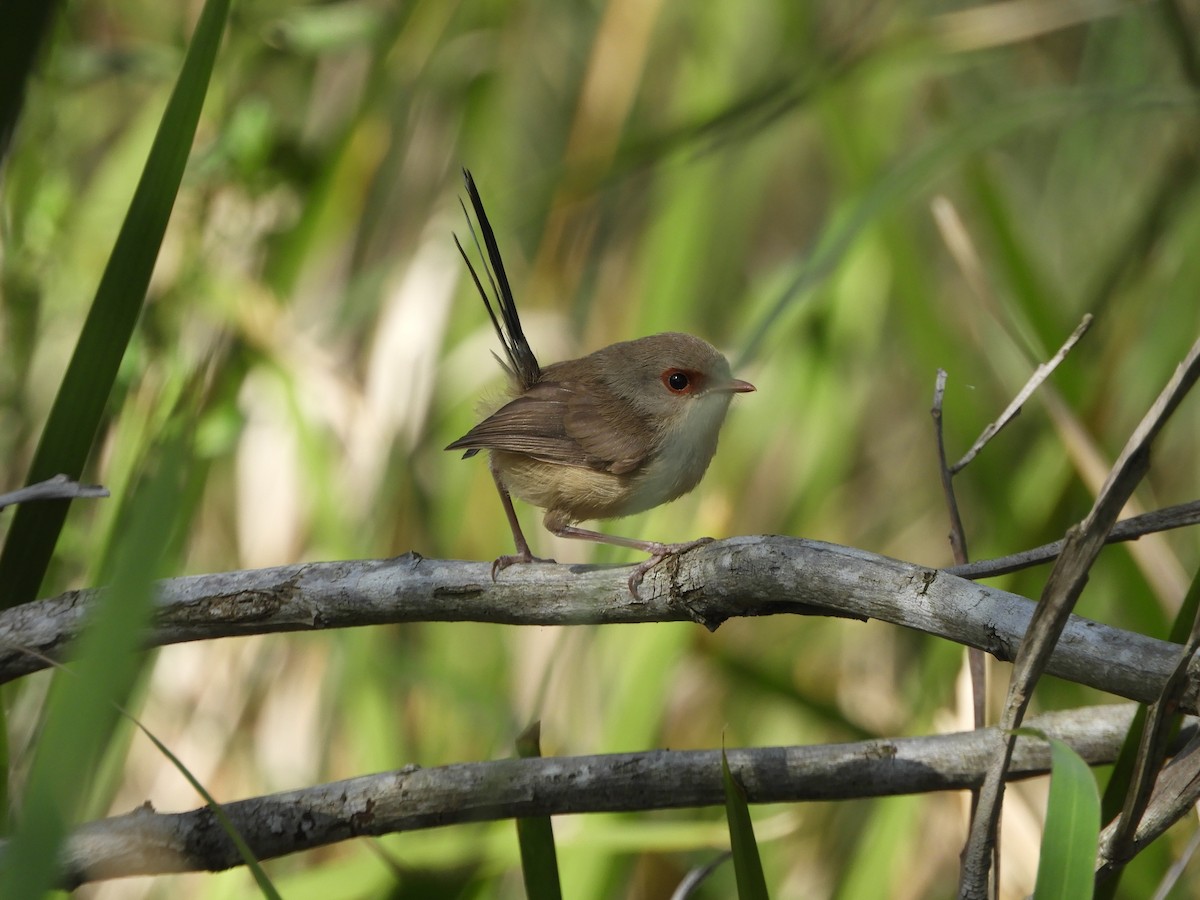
(617, 432)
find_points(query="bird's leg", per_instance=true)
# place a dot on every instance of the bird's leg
(658, 551)
(523, 554)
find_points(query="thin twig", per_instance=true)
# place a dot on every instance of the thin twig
(60, 487)
(976, 664)
(1176, 869)
(1130, 529)
(958, 541)
(1175, 795)
(1161, 716)
(696, 877)
(958, 537)
(1040, 374)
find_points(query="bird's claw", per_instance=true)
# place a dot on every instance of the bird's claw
(500, 563)
(659, 552)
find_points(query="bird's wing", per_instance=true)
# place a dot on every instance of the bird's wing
(562, 423)
(602, 426)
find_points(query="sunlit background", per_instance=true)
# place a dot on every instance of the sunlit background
(843, 196)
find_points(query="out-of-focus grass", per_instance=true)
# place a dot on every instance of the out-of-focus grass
(759, 176)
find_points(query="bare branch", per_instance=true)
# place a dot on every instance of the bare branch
(1063, 588)
(951, 228)
(976, 664)
(958, 535)
(145, 842)
(1118, 845)
(1130, 529)
(744, 576)
(1175, 795)
(1040, 374)
(1179, 864)
(60, 487)
(1127, 529)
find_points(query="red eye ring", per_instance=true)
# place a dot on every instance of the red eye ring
(677, 381)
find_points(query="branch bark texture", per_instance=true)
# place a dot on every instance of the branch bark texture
(145, 842)
(744, 576)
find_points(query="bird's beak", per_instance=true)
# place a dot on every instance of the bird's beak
(739, 387)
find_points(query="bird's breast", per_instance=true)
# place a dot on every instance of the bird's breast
(682, 457)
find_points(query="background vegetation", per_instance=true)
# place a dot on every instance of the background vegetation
(795, 182)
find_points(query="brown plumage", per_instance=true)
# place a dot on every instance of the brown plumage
(620, 431)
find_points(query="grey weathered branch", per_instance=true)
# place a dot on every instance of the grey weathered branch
(147, 842)
(744, 576)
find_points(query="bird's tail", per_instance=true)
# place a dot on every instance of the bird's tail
(522, 364)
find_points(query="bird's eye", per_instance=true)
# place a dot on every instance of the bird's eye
(677, 381)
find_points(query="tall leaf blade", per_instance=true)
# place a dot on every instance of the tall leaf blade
(84, 700)
(747, 865)
(1072, 830)
(539, 859)
(75, 416)
(26, 24)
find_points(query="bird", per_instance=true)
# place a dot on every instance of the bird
(622, 430)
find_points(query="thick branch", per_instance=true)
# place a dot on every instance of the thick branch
(144, 842)
(744, 576)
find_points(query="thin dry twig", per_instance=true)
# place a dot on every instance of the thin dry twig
(60, 487)
(1178, 866)
(958, 536)
(1040, 374)
(1118, 847)
(1178, 516)
(976, 664)
(1062, 589)
(1174, 796)
(696, 877)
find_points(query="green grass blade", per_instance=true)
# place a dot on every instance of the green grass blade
(260, 877)
(539, 860)
(82, 707)
(75, 416)
(1072, 830)
(747, 866)
(26, 24)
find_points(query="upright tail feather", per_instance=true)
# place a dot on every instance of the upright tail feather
(522, 364)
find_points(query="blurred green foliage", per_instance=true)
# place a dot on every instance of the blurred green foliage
(761, 175)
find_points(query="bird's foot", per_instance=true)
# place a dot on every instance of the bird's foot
(658, 552)
(503, 562)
